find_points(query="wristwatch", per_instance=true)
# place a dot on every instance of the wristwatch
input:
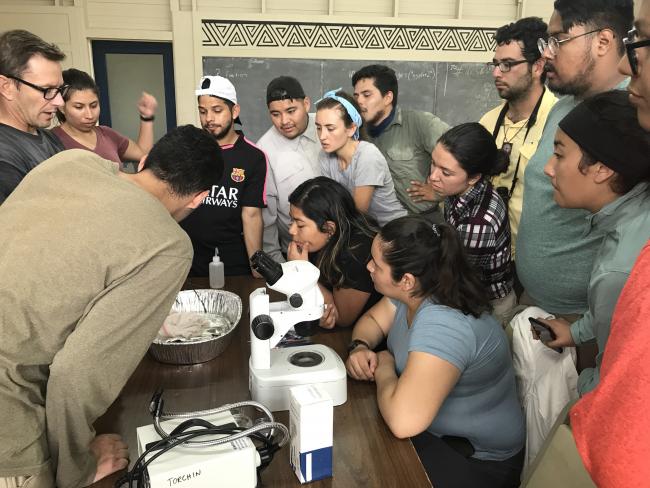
(356, 343)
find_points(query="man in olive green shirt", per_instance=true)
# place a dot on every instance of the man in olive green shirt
(91, 261)
(405, 137)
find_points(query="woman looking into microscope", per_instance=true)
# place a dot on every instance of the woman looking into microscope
(328, 230)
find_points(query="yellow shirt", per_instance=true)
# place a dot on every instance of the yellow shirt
(514, 133)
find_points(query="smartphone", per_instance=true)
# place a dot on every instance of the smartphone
(544, 332)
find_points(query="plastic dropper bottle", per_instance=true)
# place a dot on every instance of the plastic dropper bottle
(215, 269)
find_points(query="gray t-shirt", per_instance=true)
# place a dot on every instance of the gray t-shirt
(367, 168)
(483, 405)
(20, 152)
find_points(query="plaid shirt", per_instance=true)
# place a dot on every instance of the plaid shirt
(481, 219)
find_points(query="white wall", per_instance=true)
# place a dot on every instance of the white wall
(128, 76)
(72, 24)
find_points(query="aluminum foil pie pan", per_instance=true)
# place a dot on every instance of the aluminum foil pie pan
(222, 311)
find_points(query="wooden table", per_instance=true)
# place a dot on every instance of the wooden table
(365, 451)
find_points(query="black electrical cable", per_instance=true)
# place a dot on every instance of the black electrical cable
(137, 472)
(181, 435)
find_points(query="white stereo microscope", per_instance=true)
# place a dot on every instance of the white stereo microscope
(273, 371)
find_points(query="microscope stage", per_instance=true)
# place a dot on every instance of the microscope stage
(299, 365)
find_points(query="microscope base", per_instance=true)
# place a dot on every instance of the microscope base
(290, 367)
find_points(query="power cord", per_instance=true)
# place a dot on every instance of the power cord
(266, 444)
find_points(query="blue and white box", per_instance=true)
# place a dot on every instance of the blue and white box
(311, 414)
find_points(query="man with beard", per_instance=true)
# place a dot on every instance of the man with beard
(230, 217)
(517, 124)
(554, 256)
(406, 138)
(292, 147)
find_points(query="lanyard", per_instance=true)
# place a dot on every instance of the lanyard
(531, 122)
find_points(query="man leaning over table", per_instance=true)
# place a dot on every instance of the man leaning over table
(84, 290)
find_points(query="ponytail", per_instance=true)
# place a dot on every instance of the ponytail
(475, 150)
(436, 257)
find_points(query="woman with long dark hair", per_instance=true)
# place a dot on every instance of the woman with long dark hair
(329, 230)
(447, 379)
(79, 115)
(462, 163)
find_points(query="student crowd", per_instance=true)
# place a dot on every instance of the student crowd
(438, 244)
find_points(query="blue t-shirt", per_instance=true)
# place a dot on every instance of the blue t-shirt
(483, 405)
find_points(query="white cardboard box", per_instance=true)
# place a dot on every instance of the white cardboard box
(229, 465)
(311, 415)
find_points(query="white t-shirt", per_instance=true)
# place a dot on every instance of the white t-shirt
(291, 162)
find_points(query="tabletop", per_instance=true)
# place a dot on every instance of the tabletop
(365, 452)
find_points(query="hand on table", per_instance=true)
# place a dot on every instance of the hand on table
(361, 364)
(111, 453)
(330, 316)
(331, 313)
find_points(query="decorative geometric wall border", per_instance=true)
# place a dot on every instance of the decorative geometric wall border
(257, 34)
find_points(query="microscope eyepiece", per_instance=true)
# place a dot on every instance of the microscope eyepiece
(265, 265)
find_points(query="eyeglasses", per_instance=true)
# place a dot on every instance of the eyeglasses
(553, 44)
(505, 66)
(48, 93)
(630, 47)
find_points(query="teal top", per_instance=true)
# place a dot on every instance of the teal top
(554, 254)
(483, 405)
(624, 227)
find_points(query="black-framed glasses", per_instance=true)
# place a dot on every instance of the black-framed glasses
(630, 48)
(553, 44)
(48, 93)
(504, 66)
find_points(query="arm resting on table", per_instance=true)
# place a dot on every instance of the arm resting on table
(409, 403)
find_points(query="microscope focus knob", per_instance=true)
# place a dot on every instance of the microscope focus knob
(295, 300)
(262, 327)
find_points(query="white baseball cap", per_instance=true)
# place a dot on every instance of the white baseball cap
(217, 86)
